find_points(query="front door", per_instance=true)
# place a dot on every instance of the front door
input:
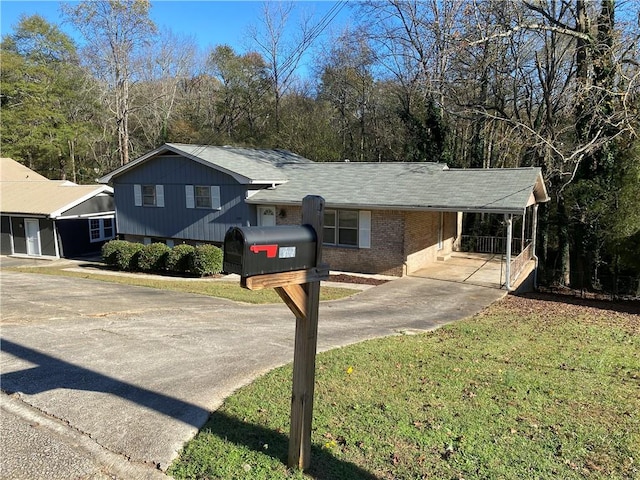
(32, 234)
(266, 216)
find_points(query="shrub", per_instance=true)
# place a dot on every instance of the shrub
(179, 258)
(153, 257)
(110, 251)
(127, 256)
(206, 260)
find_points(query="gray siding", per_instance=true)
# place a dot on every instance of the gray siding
(175, 220)
(97, 204)
(19, 236)
(5, 239)
(47, 238)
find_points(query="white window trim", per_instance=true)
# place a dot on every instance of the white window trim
(101, 229)
(364, 230)
(138, 199)
(190, 197)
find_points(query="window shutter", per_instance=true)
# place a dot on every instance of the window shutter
(191, 203)
(137, 195)
(216, 203)
(159, 195)
(364, 229)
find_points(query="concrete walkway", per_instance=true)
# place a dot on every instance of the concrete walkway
(103, 380)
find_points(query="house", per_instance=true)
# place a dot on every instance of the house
(391, 218)
(51, 218)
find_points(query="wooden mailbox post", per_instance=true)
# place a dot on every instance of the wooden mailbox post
(300, 291)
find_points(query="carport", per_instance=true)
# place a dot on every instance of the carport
(499, 261)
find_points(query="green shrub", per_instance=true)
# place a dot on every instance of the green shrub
(127, 256)
(110, 251)
(179, 258)
(153, 257)
(206, 260)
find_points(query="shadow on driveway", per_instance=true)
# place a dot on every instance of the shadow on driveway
(52, 373)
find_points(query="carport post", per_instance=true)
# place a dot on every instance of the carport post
(304, 355)
(509, 219)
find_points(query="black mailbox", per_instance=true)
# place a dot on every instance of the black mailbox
(252, 251)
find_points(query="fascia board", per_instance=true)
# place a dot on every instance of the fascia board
(416, 208)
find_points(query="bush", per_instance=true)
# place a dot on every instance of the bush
(110, 251)
(179, 258)
(127, 256)
(206, 260)
(153, 257)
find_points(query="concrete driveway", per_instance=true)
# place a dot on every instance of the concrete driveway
(107, 381)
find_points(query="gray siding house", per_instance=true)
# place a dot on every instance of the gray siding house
(51, 218)
(191, 193)
(390, 218)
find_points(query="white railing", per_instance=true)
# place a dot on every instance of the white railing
(518, 263)
(487, 244)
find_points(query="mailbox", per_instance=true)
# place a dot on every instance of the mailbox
(252, 251)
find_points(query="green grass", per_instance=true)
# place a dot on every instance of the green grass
(528, 389)
(221, 289)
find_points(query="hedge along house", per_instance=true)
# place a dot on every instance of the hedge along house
(52, 218)
(391, 218)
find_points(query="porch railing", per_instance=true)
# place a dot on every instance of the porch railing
(518, 263)
(487, 244)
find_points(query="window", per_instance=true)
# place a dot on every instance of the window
(347, 227)
(148, 195)
(100, 229)
(203, 196)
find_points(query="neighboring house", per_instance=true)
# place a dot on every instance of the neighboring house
(391, 218)
(51, 218)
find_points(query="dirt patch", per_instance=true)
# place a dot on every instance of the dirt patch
(549, 307)
(356, 279)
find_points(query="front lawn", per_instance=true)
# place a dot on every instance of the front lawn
(528, 389)
(221, 289)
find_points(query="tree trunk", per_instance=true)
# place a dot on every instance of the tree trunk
(563, 243)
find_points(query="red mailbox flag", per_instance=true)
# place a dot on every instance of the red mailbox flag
(271, 250)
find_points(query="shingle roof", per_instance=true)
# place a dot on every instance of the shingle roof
(23, 191)
(10, 170)
(393, 185)
(247, 165)
(419, 186)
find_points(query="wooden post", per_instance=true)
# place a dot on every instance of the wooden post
(300, 291)
(304, 357)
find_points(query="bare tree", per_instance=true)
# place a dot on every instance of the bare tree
(281, 51)
(114, 31)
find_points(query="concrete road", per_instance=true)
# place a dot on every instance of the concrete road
(108, 381)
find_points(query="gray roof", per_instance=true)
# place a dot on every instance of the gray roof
(246, 165)
(409, 186)
(391, 186)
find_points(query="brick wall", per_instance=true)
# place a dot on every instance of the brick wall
(385, 255)
(421, 238)
(394, 235)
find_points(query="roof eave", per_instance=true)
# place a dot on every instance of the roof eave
(241, 179)
(416, 208)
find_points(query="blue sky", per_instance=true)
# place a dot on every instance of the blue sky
(209, 22)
